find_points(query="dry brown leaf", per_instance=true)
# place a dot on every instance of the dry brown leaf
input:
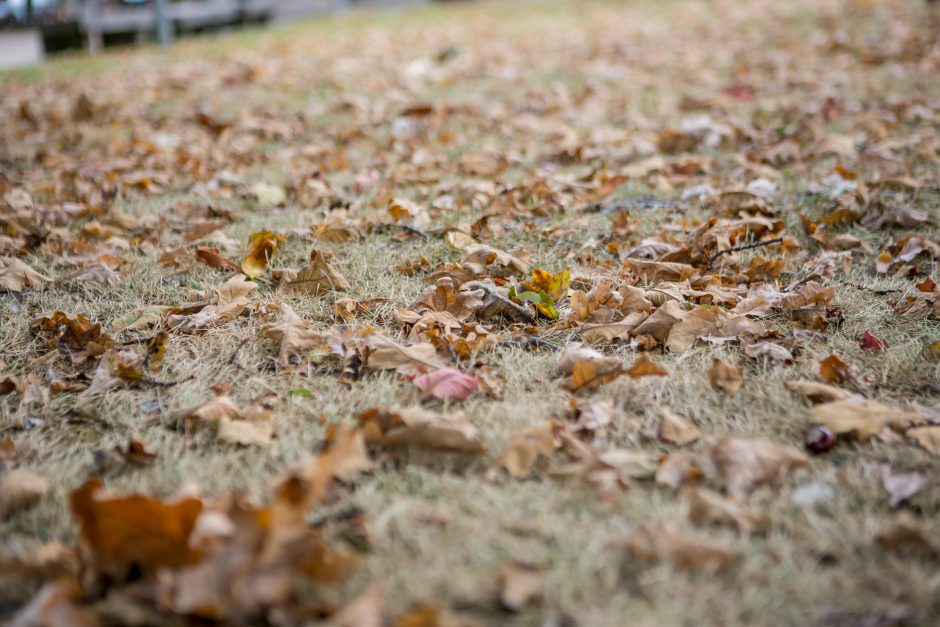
(245, 432)
(817, 392)
(291, 331)
(318, 277)
(682, 551)
(744, 464)
(16, 276)
(674, 429)
(121, 532)
(644, 366)
(677, 469)
(927, 437)
(384, 353)
(421, 428)
(833, 370)
(525, 447)
(660, 322)
(725, 376)
(861, 416)
(20, 489)
(769, 353)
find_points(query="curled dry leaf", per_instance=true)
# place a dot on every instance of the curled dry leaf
(525, 447)
(674, 429)
(744, 464)
(421, 428)
(20, 489)
(861, 417)
(230, 301)
(870, 342)
(261, 247)
(446, 384)
(725, 376)
(685, 552)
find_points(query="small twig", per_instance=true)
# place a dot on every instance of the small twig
(405, 228)
(535, 342)
(735, 249)
(873, 290)
(233, 360)
(166, 384)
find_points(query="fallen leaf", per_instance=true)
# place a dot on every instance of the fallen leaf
(927, 437)
(121, 532)
(245, 432)
(318, 277)
(861, 417)
(525, 447)
(291, 331)
(725, 376)
(769, 353)
(683, 551)
(421, 428)
(446, 384)
(674, 429)
(16, 276)
(261, 247)
(744, 464)
(644, 366)
(871, 343)
(817, 392)
(20, 489)
(710, 508)
(833, 370)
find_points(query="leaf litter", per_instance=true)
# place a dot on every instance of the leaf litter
(606, 280)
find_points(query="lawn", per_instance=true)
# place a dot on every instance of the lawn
(494, 313)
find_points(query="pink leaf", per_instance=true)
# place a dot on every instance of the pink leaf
(446, 384)
(871, 343)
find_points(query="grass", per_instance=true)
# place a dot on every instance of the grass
(440, 528)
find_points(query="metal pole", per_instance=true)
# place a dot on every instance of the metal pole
(164, 27)
(30, 13)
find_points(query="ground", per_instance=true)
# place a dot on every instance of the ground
(581, 129)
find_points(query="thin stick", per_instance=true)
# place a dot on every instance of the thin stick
(735, 249)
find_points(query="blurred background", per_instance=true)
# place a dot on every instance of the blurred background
(32, 29)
